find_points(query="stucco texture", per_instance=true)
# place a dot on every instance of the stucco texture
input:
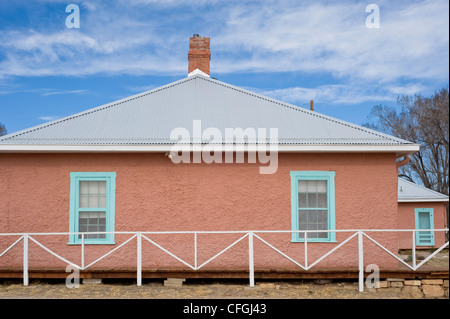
(154, 194)
(406, 220)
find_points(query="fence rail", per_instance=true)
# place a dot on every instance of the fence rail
(251, 235)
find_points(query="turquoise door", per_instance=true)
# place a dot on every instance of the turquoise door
(424, 220)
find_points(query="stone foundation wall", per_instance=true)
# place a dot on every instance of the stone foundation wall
(415, 288)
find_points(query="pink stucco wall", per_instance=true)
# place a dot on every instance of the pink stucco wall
(153, 194)
(406, 220)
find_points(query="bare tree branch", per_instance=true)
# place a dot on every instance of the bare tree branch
(422, 120)
(2, 129)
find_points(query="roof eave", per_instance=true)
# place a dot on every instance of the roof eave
(419, 200)
(399, 150)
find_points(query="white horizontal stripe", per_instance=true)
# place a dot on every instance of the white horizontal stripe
(402, 149)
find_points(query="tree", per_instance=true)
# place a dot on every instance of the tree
(2, 129)
(425, 121)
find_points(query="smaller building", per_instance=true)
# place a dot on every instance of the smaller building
(421, 208)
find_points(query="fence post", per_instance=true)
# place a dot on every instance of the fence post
(361, 261)
(195, 250)
(250, 259)
(82, 251)
(25, 260)
(306, 250)
(413, 252)
(139, 259)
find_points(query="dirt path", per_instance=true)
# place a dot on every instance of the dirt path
(198, 290)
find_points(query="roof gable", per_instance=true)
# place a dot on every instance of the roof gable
(148, 119)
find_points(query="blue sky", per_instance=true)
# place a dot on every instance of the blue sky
(294, 51)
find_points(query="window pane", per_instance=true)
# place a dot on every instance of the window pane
(84, 201)
(424, 220)
(312, 194)
(92, 194)
(92, 222)
(313, 220)
(93, 201)
(84, 188)
(102, 201)
(102, 188)
(302, 200)
(303, 194)
(93, 188)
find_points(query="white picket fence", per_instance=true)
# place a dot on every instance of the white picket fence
(250, 235)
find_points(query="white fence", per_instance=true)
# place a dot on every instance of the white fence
(250, 235)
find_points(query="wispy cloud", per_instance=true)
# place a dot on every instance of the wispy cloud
(246, 36)
(144, 37)
(59, 92)
(44, 91)
(412, 41)
(409, 89)
(329, 94)
(141, 88)
(48, 118)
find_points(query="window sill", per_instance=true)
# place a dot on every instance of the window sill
(91, 243)
(316, 241)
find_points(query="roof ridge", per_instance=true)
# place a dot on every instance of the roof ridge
(300, 109)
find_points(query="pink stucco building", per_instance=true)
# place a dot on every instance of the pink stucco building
(189, 156)
(421, 208)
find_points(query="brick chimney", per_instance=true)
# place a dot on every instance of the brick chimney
(199, 54)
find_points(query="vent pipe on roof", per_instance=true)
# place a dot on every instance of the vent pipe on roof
(312, 105)
(199, 54)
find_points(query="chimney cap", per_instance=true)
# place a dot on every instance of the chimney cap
(196, 35)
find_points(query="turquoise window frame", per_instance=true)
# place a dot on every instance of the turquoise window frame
(430, 211)
(328, 176)
(110, 179)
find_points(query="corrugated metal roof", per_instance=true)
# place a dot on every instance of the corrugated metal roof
(410, 192)
(148, 119)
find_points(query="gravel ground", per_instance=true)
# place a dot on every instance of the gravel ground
(196, 289)
(209, 289)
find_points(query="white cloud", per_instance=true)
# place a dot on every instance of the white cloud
(48, 118)
(412, 41)
(143, 88)
(64, 92)
(329, 94)
(171, 3)
(44, 91)
(76, 53)
(89, 5)
(314, 37)
(409, 89)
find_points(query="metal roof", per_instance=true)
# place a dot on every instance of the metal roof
(410, 192)
(148, 119)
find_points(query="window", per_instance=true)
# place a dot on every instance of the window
(312, 203)
(92, 202)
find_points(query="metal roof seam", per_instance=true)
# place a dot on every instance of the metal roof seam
(97, 109)
(368, 140)
(294, 108)
(412, 191)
